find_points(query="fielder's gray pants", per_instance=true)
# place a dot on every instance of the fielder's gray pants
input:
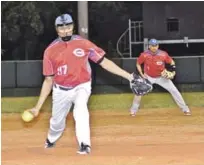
(169, 86)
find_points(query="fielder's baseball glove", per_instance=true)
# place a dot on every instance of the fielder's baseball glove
(167, 74)
(140, 86)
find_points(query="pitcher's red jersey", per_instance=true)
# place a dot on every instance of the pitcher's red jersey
(154, 64)
(68, 61)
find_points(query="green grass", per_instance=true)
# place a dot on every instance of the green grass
(107, 102)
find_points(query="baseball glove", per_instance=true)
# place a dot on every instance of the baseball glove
(140, 86)
(167, 74)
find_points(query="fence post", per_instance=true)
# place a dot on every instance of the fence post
(130, 38)
(145, 44)
(83, 18)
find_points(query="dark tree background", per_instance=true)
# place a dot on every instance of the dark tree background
(28, 27)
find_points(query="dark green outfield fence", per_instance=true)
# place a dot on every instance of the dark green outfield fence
(25, 77)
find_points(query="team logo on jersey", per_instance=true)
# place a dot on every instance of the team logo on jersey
(159, 63)
(79, 52)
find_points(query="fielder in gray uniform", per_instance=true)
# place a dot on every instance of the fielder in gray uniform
(154, 61)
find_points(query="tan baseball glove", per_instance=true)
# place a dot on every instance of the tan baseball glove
(167, 74)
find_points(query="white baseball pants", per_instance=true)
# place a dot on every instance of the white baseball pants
(61, 103)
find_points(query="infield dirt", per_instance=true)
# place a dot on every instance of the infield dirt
(153, 137)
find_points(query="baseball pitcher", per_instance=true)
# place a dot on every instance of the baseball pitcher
(154, 61)
(68, 73)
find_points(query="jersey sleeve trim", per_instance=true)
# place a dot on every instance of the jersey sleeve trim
(51, 65)
(100, 60)
(47, 66)
(49, 75)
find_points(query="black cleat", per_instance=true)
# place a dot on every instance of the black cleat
(84, 149)
(48, 144)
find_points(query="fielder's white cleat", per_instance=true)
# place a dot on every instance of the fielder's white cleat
(133, 113)
(187, 113)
